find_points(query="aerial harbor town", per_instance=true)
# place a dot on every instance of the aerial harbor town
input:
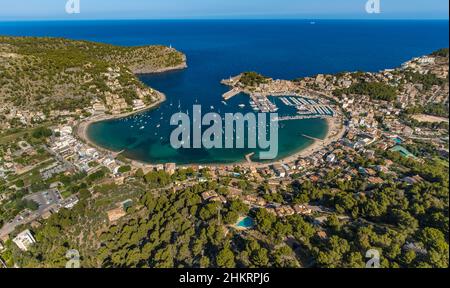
(378, 180)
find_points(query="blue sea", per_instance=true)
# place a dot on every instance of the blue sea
(218, 49)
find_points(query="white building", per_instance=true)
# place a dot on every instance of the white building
(24, 240)
(138, 104)
(331, 158)
(279, 171)
(426, 60)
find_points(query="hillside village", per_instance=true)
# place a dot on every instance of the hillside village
(382, 183)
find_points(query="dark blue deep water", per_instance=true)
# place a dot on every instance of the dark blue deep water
(221, 48)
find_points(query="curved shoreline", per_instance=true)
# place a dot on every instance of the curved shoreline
(82, 127)
(335, 132)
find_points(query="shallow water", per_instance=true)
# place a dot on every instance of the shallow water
(284, 49)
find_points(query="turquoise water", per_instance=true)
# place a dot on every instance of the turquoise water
(398, 140)
(152, 142)
(247, 222)
(284, 49)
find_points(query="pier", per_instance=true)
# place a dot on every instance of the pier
(301, 117)
(313, 138)
(248, 157)
(307, 106)
(231, 93)
(262, 104)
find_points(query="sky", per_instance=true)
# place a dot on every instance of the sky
(222, 9)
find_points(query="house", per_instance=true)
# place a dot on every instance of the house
(370, 154)
(331, 158)
(218, 199)
(208, 195)
(426, 60)
(170, 168)
(279, 171)
(138, 104)
(70, 202)
(302, 210)
(234, 193)
(314, 178)
(99, 108)
(363, 171)
(375, 180)
(322, 234)
(382, 169)
(412, 180)
(371, 172)
(24, 240)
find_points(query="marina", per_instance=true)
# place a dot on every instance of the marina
(306, 107)
(262, 104)
(302, 117)
(262, 99)
(309, 107)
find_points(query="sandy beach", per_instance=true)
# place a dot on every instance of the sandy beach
(336, 131)
(82, 127)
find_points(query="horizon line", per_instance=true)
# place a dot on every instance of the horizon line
(220, 19)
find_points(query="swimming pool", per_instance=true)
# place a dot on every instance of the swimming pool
(398, 140)
(246, 223)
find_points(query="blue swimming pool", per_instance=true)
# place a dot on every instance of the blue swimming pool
(247, 222)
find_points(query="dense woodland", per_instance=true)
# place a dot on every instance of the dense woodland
(164, 227)
(252, 79)
(58, 74)
(375, 90)
(407, 223)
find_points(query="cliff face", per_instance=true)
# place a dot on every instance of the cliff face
(60, 74)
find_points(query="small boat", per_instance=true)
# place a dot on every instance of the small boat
(224, 103)
(242, 105)
(159, 125)
(212, 107)
(142, 127)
